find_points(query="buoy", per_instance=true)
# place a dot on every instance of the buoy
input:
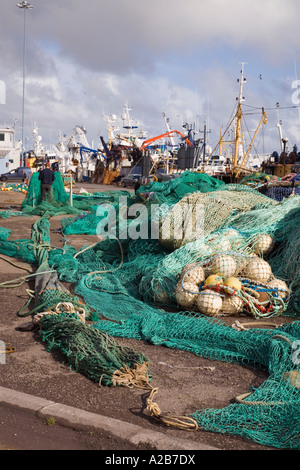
(213, 279)
(219, 244)
(186, 297)
(258, 270)
(224, 265)
(209, 303)
(232, 305)
(202, 251)
(231, 232)
(263, 244)
(233, 282)
(236, 240)
(293, 378)
(159, 295)
(283, 290)
(263, 298)
(193, 273)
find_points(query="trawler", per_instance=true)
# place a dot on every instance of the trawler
(229, 160)
(236, 159)
(130, 152)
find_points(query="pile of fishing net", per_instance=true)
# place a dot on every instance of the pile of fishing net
(91, 352)
(82, 207)
(199, 214)
(58, 201)
(173, 191)
(244, 265)
(258, 178)
(63, 321)
(272, 186)
(279, 192)
(162, 194)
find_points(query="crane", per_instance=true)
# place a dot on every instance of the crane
(148, 142)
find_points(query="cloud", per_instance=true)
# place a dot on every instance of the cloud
(120, 35)
(181, 58)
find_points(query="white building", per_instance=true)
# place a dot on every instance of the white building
(9, 150)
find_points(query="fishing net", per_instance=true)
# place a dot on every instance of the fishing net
(173, 191)
(244, 265)
(272, 186)
(4, 233)
(279, 192)
(119, 276)
(62, 317)
(212, 209)
(93, 353)
(34, 194)
(268, 415)
(5, 214)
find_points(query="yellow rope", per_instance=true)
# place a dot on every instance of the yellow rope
(240, 399)
(137, 377)
(242, 326)
(16, 265)
(7, 350)
(23, 279)
(182, 422)
(61, 307)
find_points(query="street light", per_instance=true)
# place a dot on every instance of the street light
(25, 6)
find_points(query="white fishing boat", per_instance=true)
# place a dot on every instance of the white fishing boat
(132, 133)
(10, 150)
(37, 156)
(160, 149)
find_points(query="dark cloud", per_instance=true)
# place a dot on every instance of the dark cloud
(87, 57)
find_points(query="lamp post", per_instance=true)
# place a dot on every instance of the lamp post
(25, 6)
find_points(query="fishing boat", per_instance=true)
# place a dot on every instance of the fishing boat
(237, 160)
(10, 150)
(286, 162)
(37, 156)
(130, 152)
(229, 160)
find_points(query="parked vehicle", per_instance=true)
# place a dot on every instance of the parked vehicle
(131, 180)
(18, 174)
(135, 180)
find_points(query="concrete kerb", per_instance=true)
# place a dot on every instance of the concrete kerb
(79, 419)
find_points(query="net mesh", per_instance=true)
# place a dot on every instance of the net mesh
(174, 291)
(269, 414)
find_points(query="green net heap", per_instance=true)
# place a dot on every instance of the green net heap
(131, 285)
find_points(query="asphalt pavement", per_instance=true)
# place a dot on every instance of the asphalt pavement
(72, 418)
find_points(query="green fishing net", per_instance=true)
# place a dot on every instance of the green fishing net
(269, 414)
(92, 352)
(173, 191)
(34, 195)
(128, 289)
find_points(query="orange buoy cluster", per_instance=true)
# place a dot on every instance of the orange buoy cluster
(14, 188)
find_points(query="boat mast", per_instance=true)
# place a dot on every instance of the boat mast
(169, 130)
(279, 122)
(239, 116)
(130, 125)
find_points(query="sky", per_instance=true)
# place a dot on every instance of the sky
(87, 58)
